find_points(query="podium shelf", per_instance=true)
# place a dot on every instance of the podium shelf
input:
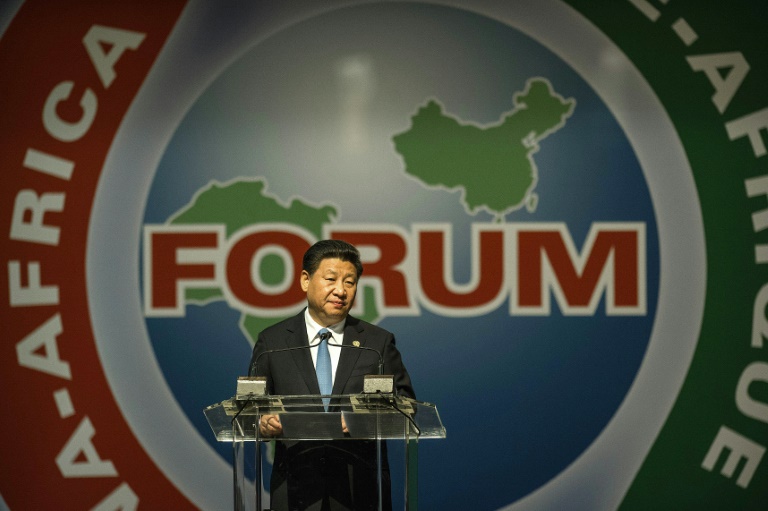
(367, 416)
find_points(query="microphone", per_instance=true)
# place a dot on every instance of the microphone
(379, 385)
(366, 348)
(258, 385)
(374, 384)
(254, 364)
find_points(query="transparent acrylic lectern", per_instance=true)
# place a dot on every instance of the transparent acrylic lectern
(377, 417)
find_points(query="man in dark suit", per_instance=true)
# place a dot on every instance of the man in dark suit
(340, 475)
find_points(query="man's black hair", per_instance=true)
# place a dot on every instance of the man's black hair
(331, 249)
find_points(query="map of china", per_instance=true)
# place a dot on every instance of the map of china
(493, 165)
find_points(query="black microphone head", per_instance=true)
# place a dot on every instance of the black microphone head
(324, 336)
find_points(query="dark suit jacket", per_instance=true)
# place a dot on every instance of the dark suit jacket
(304, 472)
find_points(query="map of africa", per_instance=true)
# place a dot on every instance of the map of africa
(492, 165)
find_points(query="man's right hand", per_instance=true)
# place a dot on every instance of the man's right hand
(269, 425)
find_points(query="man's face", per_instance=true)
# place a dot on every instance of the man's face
(330, 290)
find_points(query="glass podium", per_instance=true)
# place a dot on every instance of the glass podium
(378, 417)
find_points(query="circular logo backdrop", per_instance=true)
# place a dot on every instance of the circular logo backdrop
(520, 205)
(326, 114)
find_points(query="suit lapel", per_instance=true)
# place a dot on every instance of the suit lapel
(348, 357)
(297, 336)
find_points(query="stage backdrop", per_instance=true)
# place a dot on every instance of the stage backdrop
(561, 205)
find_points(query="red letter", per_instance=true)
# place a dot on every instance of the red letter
(241, 271)
(482, 293)
(392, 252)
(174, 258)
(613, 259)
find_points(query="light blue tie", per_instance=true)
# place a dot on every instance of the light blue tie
(323, 367)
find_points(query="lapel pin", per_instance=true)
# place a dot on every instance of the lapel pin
(356, 344)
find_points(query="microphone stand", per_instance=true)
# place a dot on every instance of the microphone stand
(379, 474)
